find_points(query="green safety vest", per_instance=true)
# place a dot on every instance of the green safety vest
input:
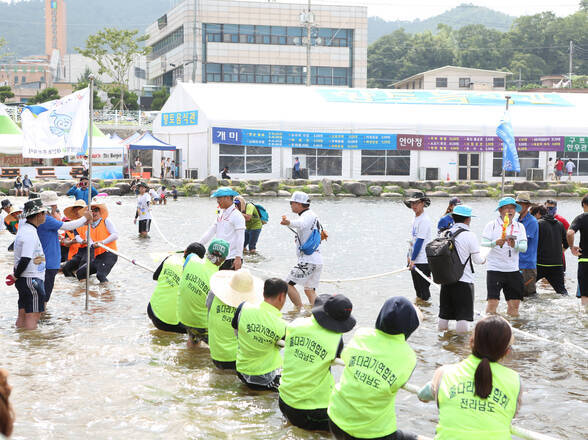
(194, 288)
(260, 327)
(307, 381)
(221, 335)
(376, 366)
(462, 415)
(164, 300)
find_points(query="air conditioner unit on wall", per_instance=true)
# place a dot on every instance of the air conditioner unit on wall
(534, 174)
(191, 173)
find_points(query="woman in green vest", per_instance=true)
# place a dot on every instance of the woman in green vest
(378, 362)
(162, 308)
(478, 397)
(311, 345)
(228, 289)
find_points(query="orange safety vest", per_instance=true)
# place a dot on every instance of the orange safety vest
(99, 233)
(74, 248)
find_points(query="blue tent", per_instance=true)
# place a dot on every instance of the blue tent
(149, 142)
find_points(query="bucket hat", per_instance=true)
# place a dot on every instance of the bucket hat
(524, 197)
(143, 184)
(73, 212)
(49, 198)
(463, 210)
(13, 216)
(508, 201)
(235, 287)
(224, 192)
(419, 195)
(333, 312)
(32, 207)
(300, 197)
(219, 248)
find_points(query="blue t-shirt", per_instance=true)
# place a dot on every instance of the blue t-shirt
(50, 241)
(528, 260)
(445, 222)
(81, 194)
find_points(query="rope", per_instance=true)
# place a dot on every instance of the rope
(124, 257)
(337, 281)
(161, 233)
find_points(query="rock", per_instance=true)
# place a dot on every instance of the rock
(337, 188)
(181, 193)
(64, 187)
(270, 185)
(567, 194)
(12, 192)
(211, 182)
(346, 195)
(525, 186)
(461, 188)
(283, 193)
(403, 184)
(111, 191)
(427, 185)
(375, 190)
(327, 187)
(50, 186)
(313, 189)
(480, 193)
(393, 189)
(268, 194)
(224, 182)
(315, 195)
(449, 189)
(171, 182)
(438, 194)
(479, 185)
(6, 184)
(252, 189)
(356, 188)
(508, 189)
(563, 187)
(125, 188)
(546, 193)
(192, 188)
(390, 194)
(408, 193)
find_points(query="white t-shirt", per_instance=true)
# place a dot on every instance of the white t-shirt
(467, 244)
(570, 167)
(143, 202)
(27, 244)
(550, 167)
(153, 194)
(421, 228)
(303, 225)
(229, 226)
(3, 215)
(505, 258)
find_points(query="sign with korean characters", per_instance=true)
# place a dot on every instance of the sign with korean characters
(179, 119)
(476, 143)
(576, 144)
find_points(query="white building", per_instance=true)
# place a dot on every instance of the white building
(258, 42)
(377, 134)
(455, 78)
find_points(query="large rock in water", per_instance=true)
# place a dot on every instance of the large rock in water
(525, 186)
(270, 185)
(546, 193)
(563, 187)
(356, 188)
(327, 187)
(211, 182)
(111, 191)
(125, 188)
(313, 189)
(480, 193)
(376, 190)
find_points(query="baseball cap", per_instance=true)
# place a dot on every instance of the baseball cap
(218, 247)
(300, 197)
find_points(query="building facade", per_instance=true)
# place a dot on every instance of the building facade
(455, 78)
(258, 42)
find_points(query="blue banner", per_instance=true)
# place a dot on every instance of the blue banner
(178, 119)
(510, 156)
(303, 139)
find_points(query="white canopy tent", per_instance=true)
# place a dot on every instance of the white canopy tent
(11, 139)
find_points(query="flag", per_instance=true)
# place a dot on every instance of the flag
(56, 128)
(510, 157)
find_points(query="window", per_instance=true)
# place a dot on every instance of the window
(230, 72)
(527, 159)
(16, 79)
(321, 162)
(230, 33)
(246, 33)
(247, 73)
(464, 83)
(294, 36)
(498, 82)
(385, 163)
(23, 79)
(278, 74)
(241, 159)
(581, 162)
(294, 75)
(213, 32)
(440, 82)
(167, 43)
(213, 72)
(262, 73)
(278, 35)
(262, 34)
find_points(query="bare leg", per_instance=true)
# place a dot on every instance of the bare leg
(311, 295)
(20, 320)
(442, 325)
(491, 306)
(513, 307)
(31, 320)
(584, 300)
(294, 296)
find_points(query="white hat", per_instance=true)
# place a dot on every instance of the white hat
(49, 198)
(235, 287)
(300, 197)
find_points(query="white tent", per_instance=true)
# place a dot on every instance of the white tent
(11, 140)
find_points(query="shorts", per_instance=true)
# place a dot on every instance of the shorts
(31, 294)
(309, 419)
(196, 334)
(225, 365)
(509, 282)
(582, 280)
(144, 225)
(456, 302)
(306, 274)
(271, 386)
(559, 173)
(342, 435)
(158, 323)
(529, 282)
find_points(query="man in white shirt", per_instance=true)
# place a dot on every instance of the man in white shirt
(419, 238)
(309, 267)
(456, 302)
(506, 242)
(29, 266)
(229, 226)
(143, 213)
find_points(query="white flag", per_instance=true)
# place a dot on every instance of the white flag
(56, 128)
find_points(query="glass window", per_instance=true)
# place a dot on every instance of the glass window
(230, 33)
(230, 72)
(213, 32)
(246, 33)
(464, 83)
(385, 163)
(498, 82)
(167, 43)
(294, 35)
(213, 72)
(242, 159)
(294, 74)
(262, 73)
(278, 35)
(527, 159)
(262, 34)
(321, 162)
(440, 82)
(247, 73)
(278, 74)
(581, 162)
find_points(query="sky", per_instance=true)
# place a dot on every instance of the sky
(412, 9)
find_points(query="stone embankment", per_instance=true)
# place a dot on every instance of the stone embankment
(326, 187)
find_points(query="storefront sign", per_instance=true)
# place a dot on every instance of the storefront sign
(576, 144)
(98, 172)
(300, 139)
(476, 143)
(178, 119)
(103, 155)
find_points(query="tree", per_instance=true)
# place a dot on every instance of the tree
(131, 98)
(114, 50)
(3, 52)
(5, 93)
(159, 98)
(584, 5)
(84, 81)
(48, 94)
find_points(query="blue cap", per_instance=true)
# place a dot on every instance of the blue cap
(508, 201)
(463, 210)
(224, 192)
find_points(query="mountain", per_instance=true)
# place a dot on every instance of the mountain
(22, 23)
(457, 17)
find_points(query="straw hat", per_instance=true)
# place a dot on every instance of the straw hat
(13, 216)
(96, 203)
(235, 287)
(49, 198)
(73, 212)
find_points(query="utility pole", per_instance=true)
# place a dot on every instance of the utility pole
(520, 81)
(308, 19)
(194, 53)
(571, 58)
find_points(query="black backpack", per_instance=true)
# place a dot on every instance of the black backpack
(444, 262)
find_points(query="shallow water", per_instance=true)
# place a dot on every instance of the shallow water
(107, 373)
